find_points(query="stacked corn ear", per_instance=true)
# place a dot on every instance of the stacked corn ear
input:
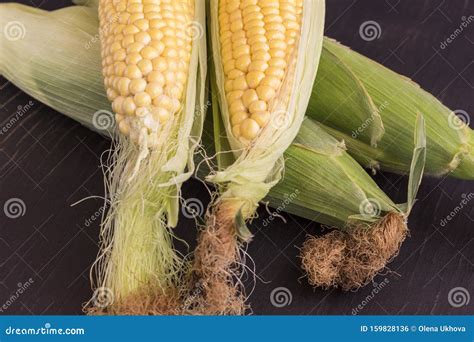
(374, 111)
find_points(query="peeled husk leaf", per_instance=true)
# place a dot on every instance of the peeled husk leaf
(374, 110)
(137, 263)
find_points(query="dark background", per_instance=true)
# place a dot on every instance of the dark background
(50, 162)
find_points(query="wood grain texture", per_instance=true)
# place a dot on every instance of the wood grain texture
(51, 162)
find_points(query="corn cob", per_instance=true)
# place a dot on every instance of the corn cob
(263, 70)
(146, 54)
(258, 46)
(152, 62)
(61, 94)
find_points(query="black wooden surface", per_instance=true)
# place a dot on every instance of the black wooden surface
(50, 162)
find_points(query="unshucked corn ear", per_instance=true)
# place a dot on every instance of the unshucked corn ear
(374, 110)
(266, 55)
(72, 42)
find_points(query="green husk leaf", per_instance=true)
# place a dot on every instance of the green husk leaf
(450, 148)
(224, 158)
(335, 75)
(62, 66)
(322, 182)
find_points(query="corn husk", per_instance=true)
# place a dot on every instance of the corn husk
(337, 191)
(374, 111)
(137, 269)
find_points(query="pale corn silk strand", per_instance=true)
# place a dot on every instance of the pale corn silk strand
(252, 93)
(154, 74)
